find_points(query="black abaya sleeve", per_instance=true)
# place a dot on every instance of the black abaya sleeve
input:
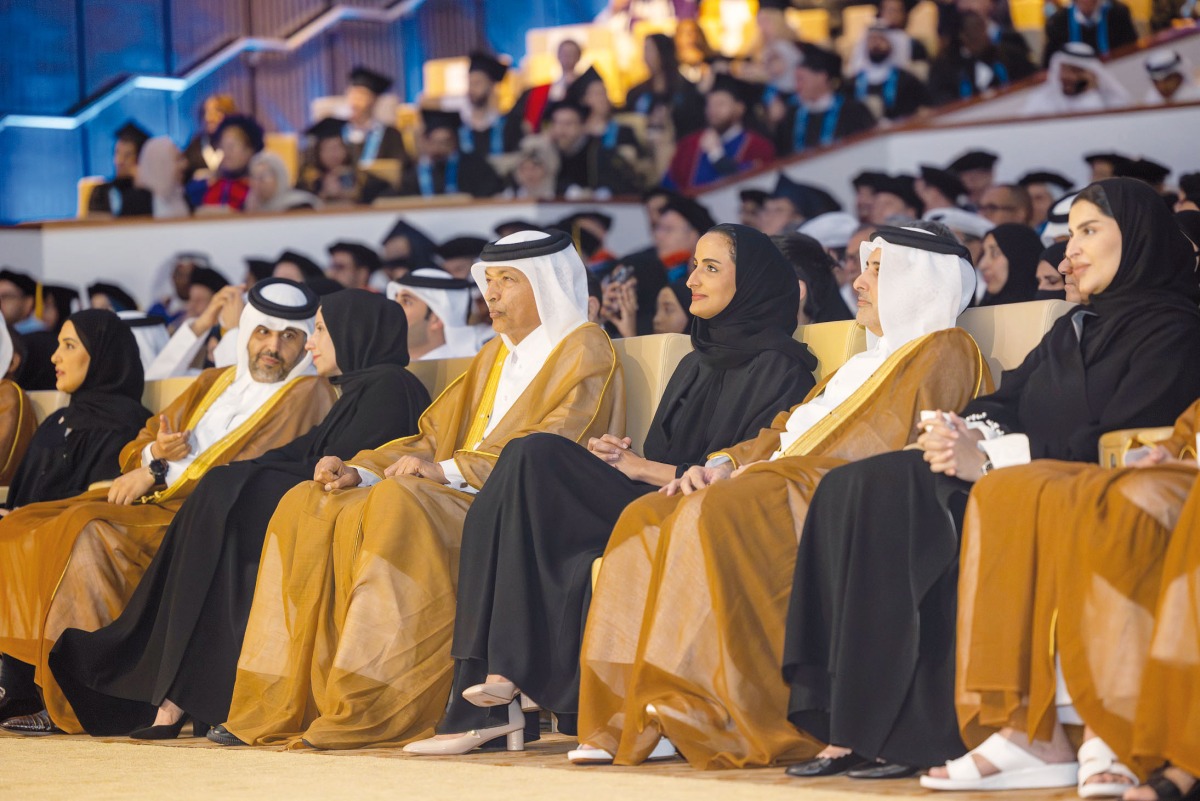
(1003, 406)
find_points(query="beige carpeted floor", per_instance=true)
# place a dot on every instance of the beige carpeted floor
(87, 769)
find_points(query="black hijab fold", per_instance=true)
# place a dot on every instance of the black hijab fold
(745, 368)
(111, 394)
(762, 314)
(1052, 255)
(380, 400)
(1022, 247)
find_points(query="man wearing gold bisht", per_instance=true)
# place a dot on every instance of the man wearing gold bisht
(348, 642)
(74, 563)
(685, 634)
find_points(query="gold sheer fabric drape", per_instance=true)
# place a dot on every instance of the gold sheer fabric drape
(75, 563)
(348, 642)
(1064, 560)
(689, 611)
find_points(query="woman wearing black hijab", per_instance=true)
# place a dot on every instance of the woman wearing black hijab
(870, 648)
(176, 644)
(98, 364)
(666, 88)
(1009, 263)
(549, 506)
(80, 444)
(1051, 284)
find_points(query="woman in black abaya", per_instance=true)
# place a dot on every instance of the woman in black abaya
(871, 628)
(1009, 264)
(77, 446)
(176, 645)
(549, 506)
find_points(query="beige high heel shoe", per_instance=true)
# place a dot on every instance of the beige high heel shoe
(514, 730)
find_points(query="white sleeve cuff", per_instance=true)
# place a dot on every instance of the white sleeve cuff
(147, 456)
(454, 478)
(717, 460)
(366, 477)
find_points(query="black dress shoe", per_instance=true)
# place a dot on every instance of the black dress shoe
(13, 707)
(883, 770)
(223, 736)
(826, 766)
(37, 724)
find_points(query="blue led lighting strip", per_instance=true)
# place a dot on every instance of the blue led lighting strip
(248, 44)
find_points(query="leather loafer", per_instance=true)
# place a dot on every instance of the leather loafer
(883, 770)
(826, 766)
(11, 707)
(38, 724)
(223, 736)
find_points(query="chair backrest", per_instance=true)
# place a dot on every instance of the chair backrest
(832, 343)
(436, 375)
(84, 189)
(46, 402)
(648, 362)
(157, 395)
(1006, 334)
(287, 147)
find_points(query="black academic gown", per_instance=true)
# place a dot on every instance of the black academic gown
(391, 146)
(131, 201)
(525, 583)
(905, 99)
(853, 117)
(181, 633)
(870, 644)
(594, 167)
(1121, 31)
(476, 177)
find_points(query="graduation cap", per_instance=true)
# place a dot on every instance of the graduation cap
(810, 201)
(258, 267)
(755, 196)
(208, 277)
(1189, 185)
(944, 181)
(586, 242)
(362, 255)
(489, 65)
(742, 91)
(1163, 64)
(23, 282)
(567, 102)
(462, 247)
(247, 125)
(696, 215)
(973, 160)
(1046, 177)
(903, 187)
(601, 219)
(507, 227)
(118, 298)
(1117, 160)
(818, 59)
(369, 79)
(434, 118)
(1143, 169)
(308, 268)
(579, 86)
(869, 179)
(133, 133)
(327, 128)
(322, 285)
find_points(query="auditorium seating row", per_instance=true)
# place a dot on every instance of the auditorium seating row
(1005, 334)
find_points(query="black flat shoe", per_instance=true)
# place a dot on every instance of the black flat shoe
(883, 770)
(12, 707)
(37, 725)
(826, 766)
(168, 731)
(1167, 790)
(223, 736)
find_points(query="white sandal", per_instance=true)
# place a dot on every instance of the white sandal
(1096, 758)
(1017, 769)
(587, 755)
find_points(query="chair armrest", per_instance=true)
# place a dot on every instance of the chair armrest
(3, 494)
(1115, 444)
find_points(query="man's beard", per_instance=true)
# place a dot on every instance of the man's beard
(1075, 88)
(878, 56)
(266, 374)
